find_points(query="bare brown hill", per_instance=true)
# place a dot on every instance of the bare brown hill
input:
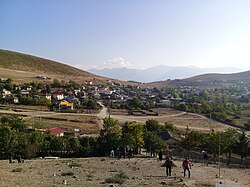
(211, 79)
(25, 68)
(243, 76)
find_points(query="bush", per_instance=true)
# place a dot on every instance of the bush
(17, 170)
(69, 173)
(118, 178)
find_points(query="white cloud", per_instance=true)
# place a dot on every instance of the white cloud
(116, 62)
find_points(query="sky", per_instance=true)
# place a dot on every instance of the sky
(130, 33)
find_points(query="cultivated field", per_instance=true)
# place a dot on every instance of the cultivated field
(92, 123)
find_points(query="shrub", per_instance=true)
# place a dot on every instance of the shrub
(118, 178)
(17, 170)
(67, 173)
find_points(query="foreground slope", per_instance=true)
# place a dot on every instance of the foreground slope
(91, 172)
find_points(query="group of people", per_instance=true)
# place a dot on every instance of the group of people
(18, 157)
(119, 153)
(186, 164)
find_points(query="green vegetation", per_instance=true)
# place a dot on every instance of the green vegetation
(16, 139)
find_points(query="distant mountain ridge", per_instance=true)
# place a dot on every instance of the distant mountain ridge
(158, 73)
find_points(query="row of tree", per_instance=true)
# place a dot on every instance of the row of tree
(16, 138)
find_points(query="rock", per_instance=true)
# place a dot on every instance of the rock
(64, 182)
(111, 185)
(181, 180)
(163, 183)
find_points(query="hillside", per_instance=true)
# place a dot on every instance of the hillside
(24, 62)
(24, 68)
(102, 171)
(211, 79)
(243, 76)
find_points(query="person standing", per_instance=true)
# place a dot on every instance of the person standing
(169, 165)
(205, 157)
(112, 153)
(186, 164)
(160, 156)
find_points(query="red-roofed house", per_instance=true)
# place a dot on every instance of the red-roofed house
(57, 131)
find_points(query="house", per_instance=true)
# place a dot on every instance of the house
(48, 96)
(58, 96)
(25, 92)
(57, 131)
(65, 105)
(6, 93)
(170, 139)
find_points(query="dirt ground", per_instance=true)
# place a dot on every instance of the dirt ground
(91, 172)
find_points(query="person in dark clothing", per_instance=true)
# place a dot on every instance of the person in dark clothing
(205, 157)
(169, 165)
(160, 156)
(10, 158)
(130, 153)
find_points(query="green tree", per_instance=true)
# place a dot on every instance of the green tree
(191, 141)
(242, 146)
(88, 146)
(153, 125)
(73, 144)
(169, 126)
(229, 137)
(133, 135)
(14, 122)
(92, 104)
(152, 142)
(8, 141)
(110, 135)
(57, 144)
(56, 84)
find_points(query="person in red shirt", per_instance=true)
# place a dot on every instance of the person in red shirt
(186, 164)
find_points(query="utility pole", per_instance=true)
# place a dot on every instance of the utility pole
(219, 157)
(109, 105)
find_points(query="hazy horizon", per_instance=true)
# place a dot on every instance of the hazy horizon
(133, 34)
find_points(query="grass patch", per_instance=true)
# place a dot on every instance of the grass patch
(118, 178)
(17, 170)
(69, 173)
